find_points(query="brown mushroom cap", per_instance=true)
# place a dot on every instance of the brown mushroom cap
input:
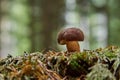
(70, 34)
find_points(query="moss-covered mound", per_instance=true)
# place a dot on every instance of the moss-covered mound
(26, 67)
(99, 64)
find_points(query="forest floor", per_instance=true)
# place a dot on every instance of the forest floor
(99, 64)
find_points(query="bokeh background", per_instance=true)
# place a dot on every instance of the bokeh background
(32, 25)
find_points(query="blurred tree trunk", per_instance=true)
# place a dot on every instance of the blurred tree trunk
(114, 38)
(48, 17)
(51, 19)
(0, 23)
(31, 25)
(106, 10)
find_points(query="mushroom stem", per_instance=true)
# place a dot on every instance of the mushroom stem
(73, 46)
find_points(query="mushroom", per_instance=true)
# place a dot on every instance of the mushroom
(70, 37)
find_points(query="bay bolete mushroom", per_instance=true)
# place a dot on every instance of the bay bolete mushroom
(70, 37)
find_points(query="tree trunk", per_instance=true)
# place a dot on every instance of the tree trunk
(51, 20)
(108, 24)
(31, 25)
(0, 24)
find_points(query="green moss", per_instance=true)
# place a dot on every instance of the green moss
(99, 64)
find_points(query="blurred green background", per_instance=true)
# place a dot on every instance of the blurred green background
(32, 25)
